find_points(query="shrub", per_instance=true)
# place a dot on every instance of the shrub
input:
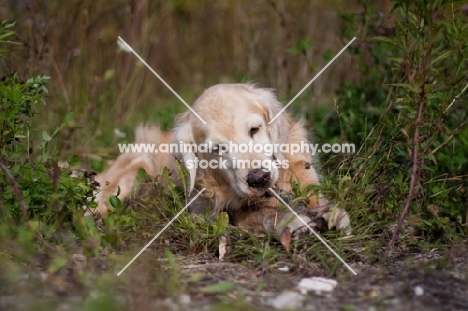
(37, 197)
(408, 116)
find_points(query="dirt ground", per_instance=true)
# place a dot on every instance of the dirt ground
(431, 280)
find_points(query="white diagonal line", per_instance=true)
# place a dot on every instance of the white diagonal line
(159, 233)
(316, 76)
(162, 80)
(313, 231)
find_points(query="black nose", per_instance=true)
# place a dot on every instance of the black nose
(258, 178)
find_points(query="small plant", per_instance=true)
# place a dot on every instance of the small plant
(39, 199)
(6, 32)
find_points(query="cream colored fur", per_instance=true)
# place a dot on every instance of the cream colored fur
(231, 111)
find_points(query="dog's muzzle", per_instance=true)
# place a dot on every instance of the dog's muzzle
(258, 178)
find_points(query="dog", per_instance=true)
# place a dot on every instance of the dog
(233, 115)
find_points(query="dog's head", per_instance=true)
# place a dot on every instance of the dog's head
(229, 145)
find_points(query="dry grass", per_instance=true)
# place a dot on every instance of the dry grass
(192, 46)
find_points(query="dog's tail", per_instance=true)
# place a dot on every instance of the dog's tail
(152, 134)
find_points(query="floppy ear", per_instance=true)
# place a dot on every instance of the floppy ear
(184, 136)
(279, 128)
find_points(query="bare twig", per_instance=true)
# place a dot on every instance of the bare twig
(456, 98)
(413, 182)
(61, 82)
(16, 190)
(51, 247)
(416, 165)
(455, 131)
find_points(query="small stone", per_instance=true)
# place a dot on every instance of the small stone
(287, 300)
(418, 291)
(316, 284)
(184, 299)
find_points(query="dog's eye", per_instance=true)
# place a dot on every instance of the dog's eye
(254, 130)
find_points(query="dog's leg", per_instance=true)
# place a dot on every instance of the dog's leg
(335, 217)
(255, 219)
(269, 220)
(201, 206)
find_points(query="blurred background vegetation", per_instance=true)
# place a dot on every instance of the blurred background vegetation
(191, 44)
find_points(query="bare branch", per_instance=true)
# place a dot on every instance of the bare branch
(16, 190)
(456, 98)
(415, 174)
(455, 131)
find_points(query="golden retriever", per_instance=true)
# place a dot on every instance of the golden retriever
(235, 114)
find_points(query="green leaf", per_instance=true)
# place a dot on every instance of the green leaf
(221, 287)
(115, 202)
(141, 177)
(74, 160)
(69, 117)
(383, 39)
(221, 223)
(109, 74)
(195, 277)
(46, 136)
(406, 86)
(34, 225)
(25, 236)
(444, 55)
(327, 55)
(170, 258)
(58, 263)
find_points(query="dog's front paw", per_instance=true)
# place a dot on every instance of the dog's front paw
(294, 225)
(336, 218)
